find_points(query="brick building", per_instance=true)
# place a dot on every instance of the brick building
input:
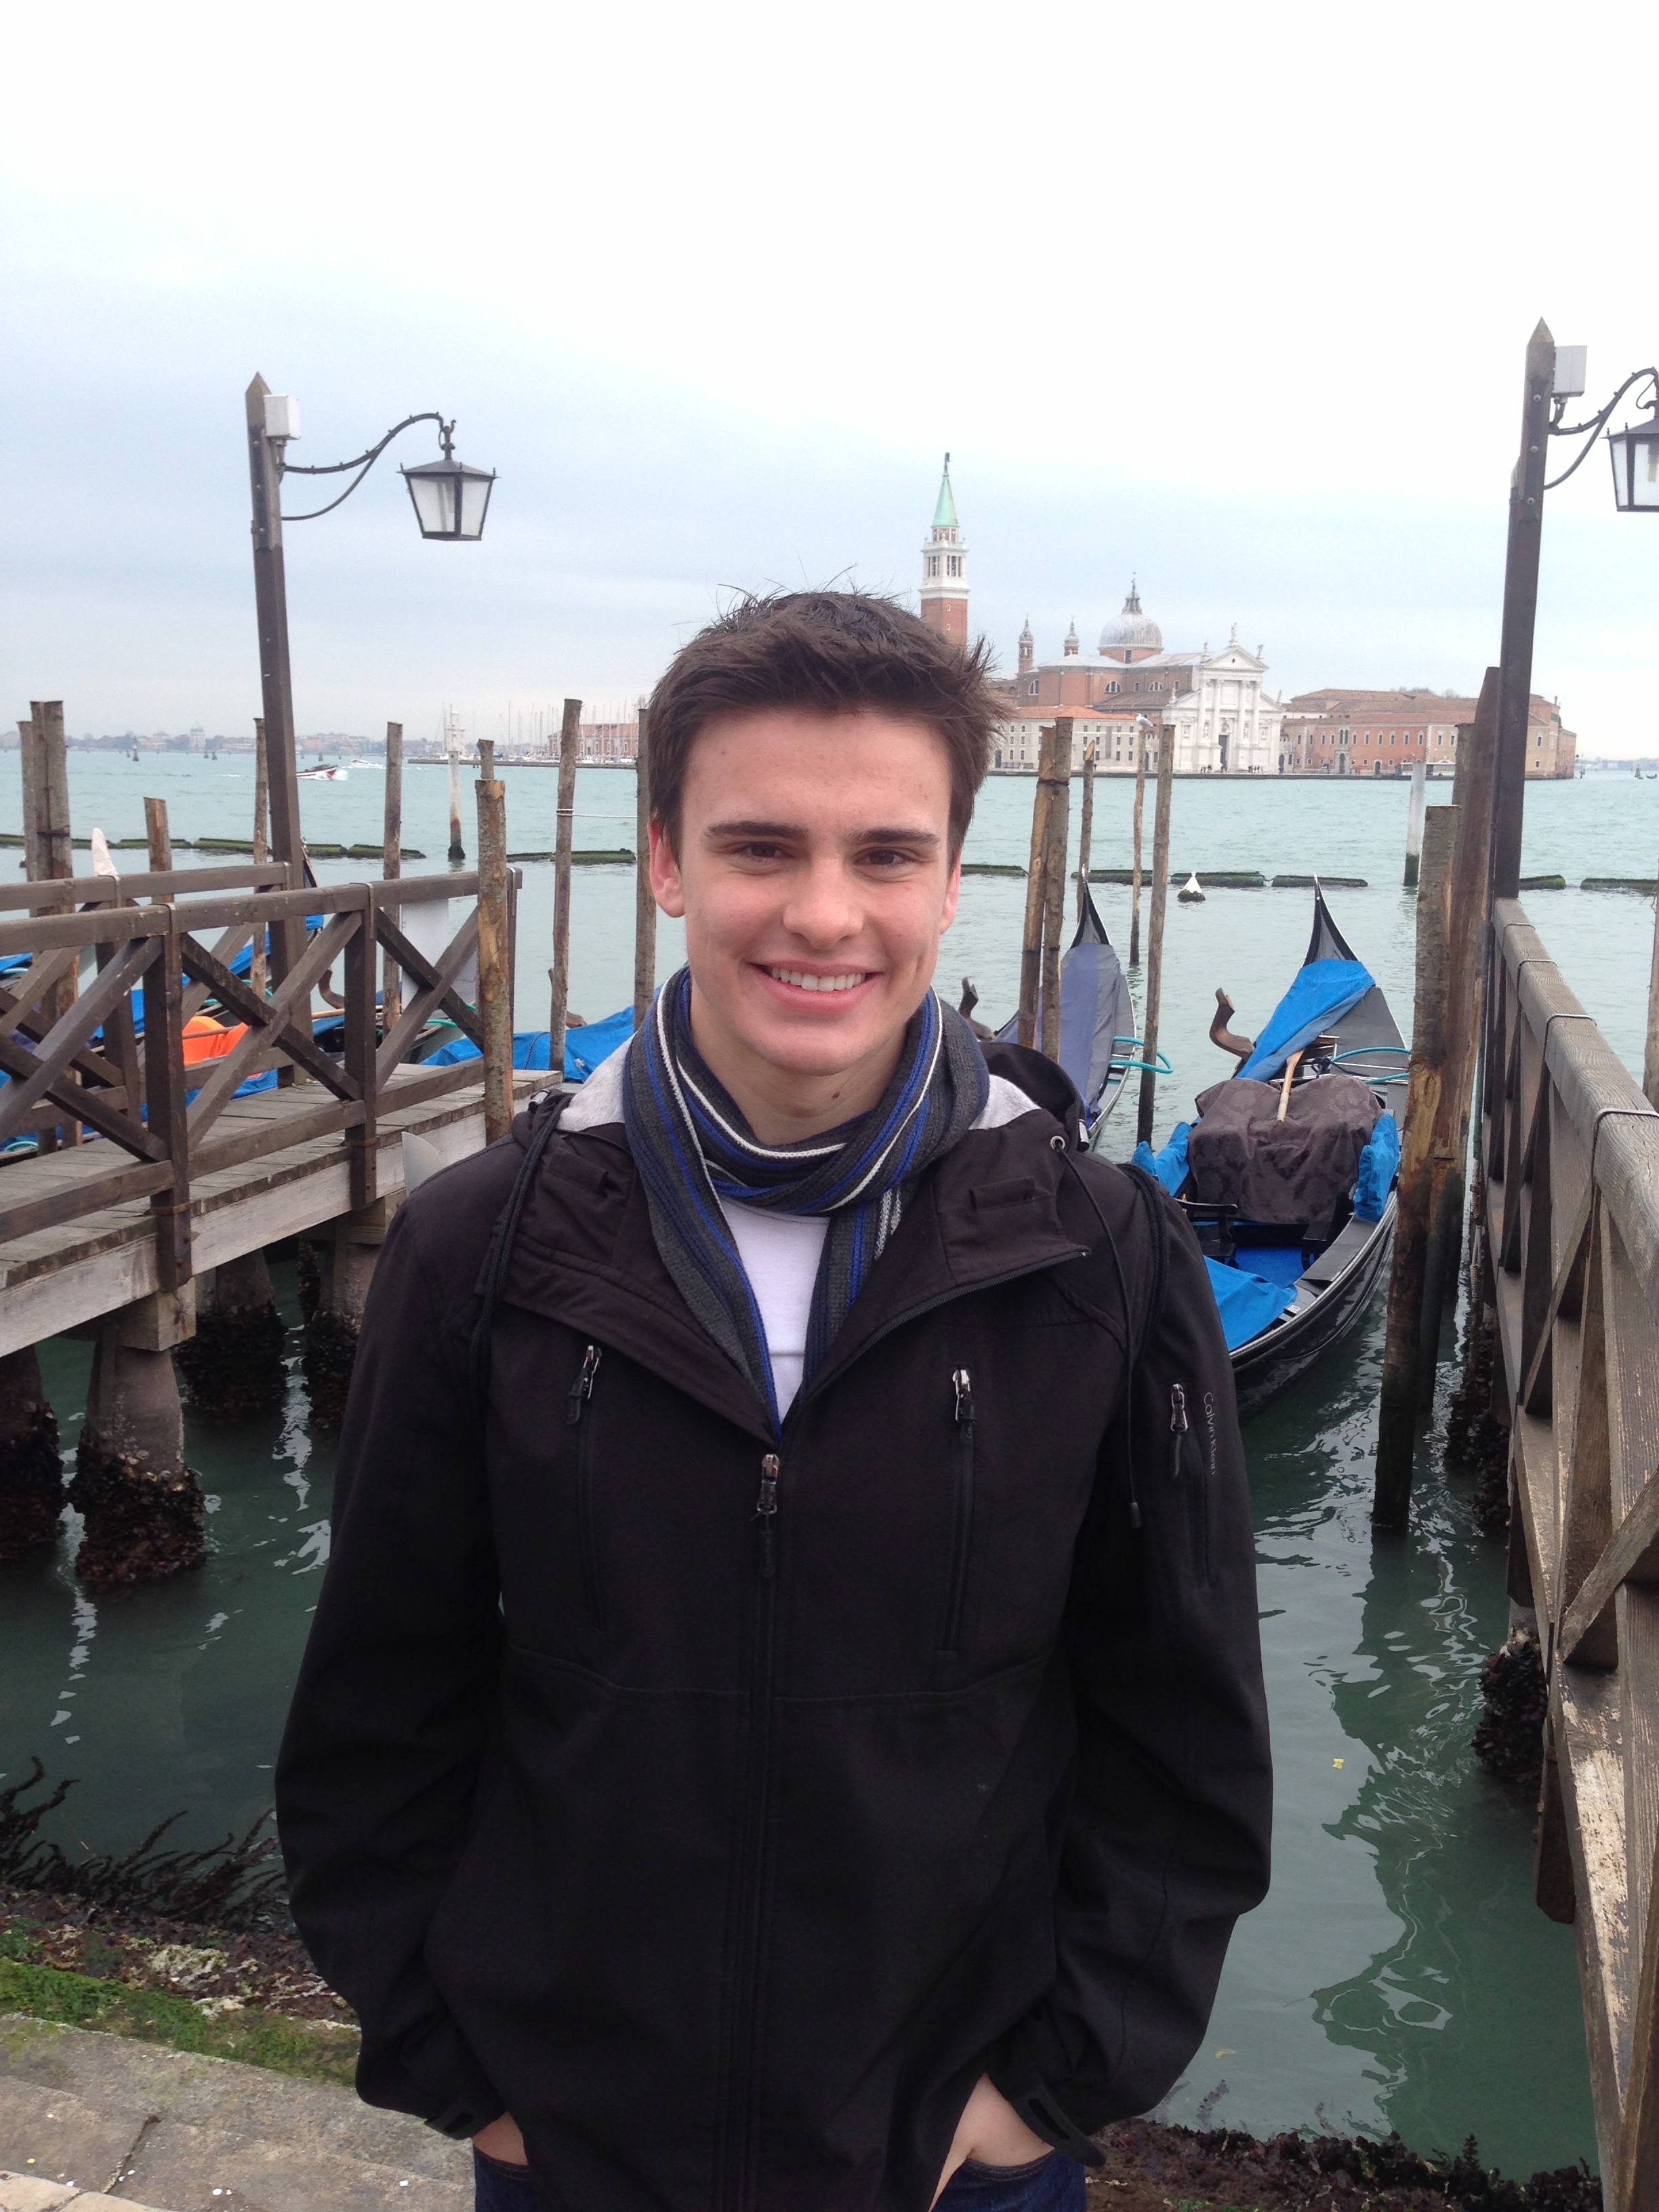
(1379, 733)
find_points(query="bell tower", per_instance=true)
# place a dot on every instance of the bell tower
(945, 568)
(1027, 648)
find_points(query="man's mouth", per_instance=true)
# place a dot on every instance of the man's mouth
(804, 982)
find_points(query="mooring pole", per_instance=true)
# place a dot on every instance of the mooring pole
(1470, 868)
(559, 974)
(391, 867)
(1520, 615)
(1155, 933)
(1134, 878)
(1053, 885)
(264, 456)
(1651, 1056)
(456, 849)
(48, 856)
(1036, 892)
(1414, 823)
(1085, 828)
(494, 957)
(259, 963)
(159, 838)
(1396, 1431)
(645, 899)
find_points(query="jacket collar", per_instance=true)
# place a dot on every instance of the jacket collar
(586, 1257)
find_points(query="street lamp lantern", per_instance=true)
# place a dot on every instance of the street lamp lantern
(450, 498)
(1634, 452)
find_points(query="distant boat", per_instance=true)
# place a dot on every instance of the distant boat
(1191, 892)
(322, 776)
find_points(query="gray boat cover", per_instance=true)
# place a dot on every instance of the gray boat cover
(1094, 1012)
(1301, 1169)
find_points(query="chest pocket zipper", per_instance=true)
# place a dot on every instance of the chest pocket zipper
(580, 1416)
(1195, 1480)
(962, 1529)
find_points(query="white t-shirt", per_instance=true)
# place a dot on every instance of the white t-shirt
(780, 1254)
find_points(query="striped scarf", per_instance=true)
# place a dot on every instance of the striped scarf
(693, 1147)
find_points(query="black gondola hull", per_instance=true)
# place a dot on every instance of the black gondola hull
(1270, 1362)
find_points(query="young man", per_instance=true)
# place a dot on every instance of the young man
(783, 1728)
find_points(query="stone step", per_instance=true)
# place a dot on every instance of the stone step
(20, 2192)
(170, 2129)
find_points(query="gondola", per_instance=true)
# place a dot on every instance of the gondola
(1290, 1289)
(1096, 1013)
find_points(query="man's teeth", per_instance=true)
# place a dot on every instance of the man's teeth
(803, 981)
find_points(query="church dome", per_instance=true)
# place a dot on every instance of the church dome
(1132, 631)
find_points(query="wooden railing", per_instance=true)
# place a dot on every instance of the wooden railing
(80, 1066)
(1570, 1157)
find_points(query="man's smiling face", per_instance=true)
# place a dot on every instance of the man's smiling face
(815, 877)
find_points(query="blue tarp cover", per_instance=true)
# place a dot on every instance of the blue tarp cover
(1322, 993)
(1247, 1303)
(1379, 1164)
(1169, 1165)
(584, 1048)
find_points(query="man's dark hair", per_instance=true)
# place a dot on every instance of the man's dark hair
(830, 652)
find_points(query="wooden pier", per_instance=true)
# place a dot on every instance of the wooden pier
(1570, 1157)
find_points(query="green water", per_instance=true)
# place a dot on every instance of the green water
(1398, 1974)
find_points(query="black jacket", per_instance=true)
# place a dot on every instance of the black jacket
(725, 1849)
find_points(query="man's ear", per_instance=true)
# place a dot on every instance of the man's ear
(667, 886)
(952, 892)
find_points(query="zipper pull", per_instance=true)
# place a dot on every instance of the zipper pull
(765, 1511)
(582, 1389)
(1178, 1425)
(961, 1383)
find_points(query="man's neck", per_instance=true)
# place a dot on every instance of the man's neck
(781, 1105)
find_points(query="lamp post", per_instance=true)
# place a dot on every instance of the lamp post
(450, 501)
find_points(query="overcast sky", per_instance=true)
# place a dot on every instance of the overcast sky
(1236, 299)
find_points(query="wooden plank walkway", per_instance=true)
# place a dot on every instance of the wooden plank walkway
(62, 1277)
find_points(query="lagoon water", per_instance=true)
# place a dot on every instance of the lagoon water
(1399, 1974)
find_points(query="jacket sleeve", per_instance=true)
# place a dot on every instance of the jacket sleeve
(1167, 1839)
(397, 1689)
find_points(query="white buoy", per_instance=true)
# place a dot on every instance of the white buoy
(1189, 894)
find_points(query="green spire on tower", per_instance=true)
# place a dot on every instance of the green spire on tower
(945, 514)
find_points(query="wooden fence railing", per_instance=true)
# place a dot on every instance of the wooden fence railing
(1570, 1158)
(81, 1066)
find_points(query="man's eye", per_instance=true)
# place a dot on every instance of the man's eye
(754, 852)
(888, 856)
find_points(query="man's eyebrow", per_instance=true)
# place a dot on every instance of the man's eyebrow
(877, 836)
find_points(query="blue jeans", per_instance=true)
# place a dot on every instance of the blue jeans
(1053, 2184)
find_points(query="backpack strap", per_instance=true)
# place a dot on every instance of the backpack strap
(1147, 1192)
(552, 1105)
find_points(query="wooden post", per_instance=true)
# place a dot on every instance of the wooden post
(48, 853)
(645, 903)
(1134, 878)
(495, 985)
(1036, 892)
(160, 841)
(456, 849)
(276, 681)
(1053, 883)
(1414, 823)
(1155, 933)
(258, 968)
(1396, 1433)
(559, 974)
(1520, 614)
(1466, 956)
(1086, 827)
(391, 867)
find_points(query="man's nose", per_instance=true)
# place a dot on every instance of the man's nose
(824, 907)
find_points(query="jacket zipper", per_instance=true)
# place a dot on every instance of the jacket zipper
(581, 1390)
(961, 1538)
(736, 2186)
(1198, 1501)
